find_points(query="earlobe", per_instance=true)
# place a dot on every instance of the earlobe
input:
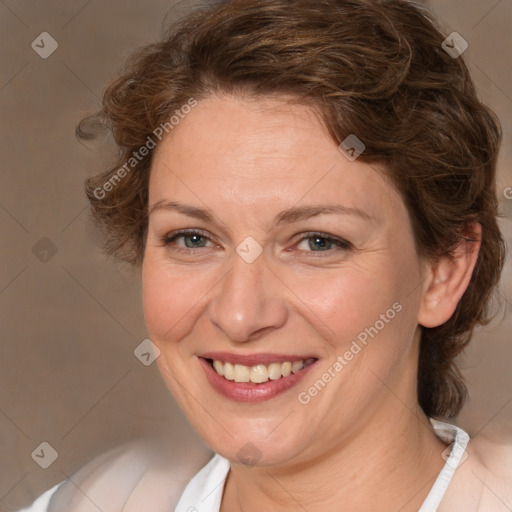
(448, 279)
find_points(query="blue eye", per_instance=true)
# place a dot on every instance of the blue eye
(191, 239)
(194, 241)
(319, 242)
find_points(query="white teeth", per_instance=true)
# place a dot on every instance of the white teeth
(259, 373)
(297, 366)
(219, 367)
(242, 373)
(229, 370)
(286, 369)
(274, 371)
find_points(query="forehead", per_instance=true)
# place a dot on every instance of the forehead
(252, 152)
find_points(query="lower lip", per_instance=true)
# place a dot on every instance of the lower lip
(248, 392)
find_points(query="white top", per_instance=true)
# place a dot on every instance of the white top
(204, 492)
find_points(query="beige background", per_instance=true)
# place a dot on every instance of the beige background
(68, 375)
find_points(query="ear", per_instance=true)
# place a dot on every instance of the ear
(448, 279)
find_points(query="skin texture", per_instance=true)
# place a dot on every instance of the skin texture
(247, 160)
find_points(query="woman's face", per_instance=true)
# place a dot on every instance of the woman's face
(292, 252)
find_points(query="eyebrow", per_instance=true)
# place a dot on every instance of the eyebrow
(191, 211)
(289, 216)
(306, 212)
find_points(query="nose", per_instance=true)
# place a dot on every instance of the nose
(248, 303)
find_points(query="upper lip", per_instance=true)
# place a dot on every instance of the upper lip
(253, 359)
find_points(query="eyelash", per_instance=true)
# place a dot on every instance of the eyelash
(168, 239)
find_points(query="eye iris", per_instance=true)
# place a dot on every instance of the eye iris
(319, 243)
(194, 241)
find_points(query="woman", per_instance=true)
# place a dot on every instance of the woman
(309, 188)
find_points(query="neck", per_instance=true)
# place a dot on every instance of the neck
(389, 465)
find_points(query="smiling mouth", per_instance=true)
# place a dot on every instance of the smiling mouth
(259, 373)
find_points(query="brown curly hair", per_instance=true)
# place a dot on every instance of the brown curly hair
(374, 68)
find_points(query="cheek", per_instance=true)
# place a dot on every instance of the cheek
(171, 299)
(342, 303)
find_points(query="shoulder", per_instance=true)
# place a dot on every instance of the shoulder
(492, 450)
(147, 474)
(483, 480)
